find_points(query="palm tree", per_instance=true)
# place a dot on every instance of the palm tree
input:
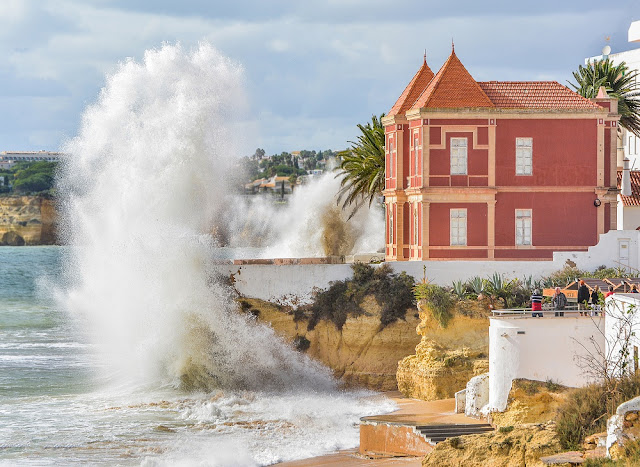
(362, 166)
(619, 82)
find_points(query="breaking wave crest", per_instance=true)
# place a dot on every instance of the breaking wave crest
(140, 187)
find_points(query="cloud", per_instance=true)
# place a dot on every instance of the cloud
(279, 45)
(309, 65)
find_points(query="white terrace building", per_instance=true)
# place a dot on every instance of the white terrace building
(9, 158)
(570, 350)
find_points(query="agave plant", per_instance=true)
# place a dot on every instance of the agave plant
(478, 285)
(459, 289)
(495, 283)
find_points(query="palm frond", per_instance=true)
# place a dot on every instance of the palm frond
(619, 82)
(362, 167)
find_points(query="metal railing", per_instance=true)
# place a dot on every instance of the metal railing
(546, 312)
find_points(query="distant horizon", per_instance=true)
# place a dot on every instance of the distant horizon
(312, 71)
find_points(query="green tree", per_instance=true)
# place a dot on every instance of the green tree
(619, 83)
(362, 166)
(34, 177)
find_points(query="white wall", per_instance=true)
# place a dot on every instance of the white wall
(545, 349)
(621, 307)
(294, 283)
(628, 216)
(284, 284)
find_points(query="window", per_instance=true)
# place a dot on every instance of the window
(458, 229)
(458, 156)
(416, 141)
(523, 226)
(524, 156)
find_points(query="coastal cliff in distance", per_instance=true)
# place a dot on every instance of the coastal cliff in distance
(27, 220)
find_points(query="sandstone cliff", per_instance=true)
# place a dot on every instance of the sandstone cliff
(518, 446)
(445, 359)
(362, 353)
(27, 220)
(525, 431)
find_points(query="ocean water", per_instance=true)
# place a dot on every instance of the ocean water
(57, 406)
(124, 347)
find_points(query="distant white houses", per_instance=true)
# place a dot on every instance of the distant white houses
(274, 184)
(9, 158)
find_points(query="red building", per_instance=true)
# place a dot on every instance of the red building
(496, 170)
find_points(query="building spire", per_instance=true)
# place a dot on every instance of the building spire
(453, 47)
(425, 56)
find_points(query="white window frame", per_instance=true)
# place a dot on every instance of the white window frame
(524, 156)
(524, 227)
(458, 227)
(458, 153)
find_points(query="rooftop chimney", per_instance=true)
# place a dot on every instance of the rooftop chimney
(626, 179)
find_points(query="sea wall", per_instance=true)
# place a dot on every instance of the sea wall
(27, 220)
(292, 281)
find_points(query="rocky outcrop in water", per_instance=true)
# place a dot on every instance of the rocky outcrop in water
(362, 353)
(27, 220)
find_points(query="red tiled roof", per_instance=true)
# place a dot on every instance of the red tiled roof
(413, 90)
(535, 95)
(634, 199)
(453, 87)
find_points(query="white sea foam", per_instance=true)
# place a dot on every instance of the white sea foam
(311, 224)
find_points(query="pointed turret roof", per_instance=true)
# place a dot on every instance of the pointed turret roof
(453, 87)
(413, 89)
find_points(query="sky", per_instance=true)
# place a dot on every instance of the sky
(313, 69)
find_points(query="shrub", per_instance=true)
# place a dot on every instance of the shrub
(506, 429)
(552, 386)
(456, 442)
(393, 292)
(587, 409)
(565, 276)
(301, 343)
(437, 300)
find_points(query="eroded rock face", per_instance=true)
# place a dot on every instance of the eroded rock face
(516, 446)
(363, 353)
(27, 220)
(445, 359)
(530, 402)
(624, 426)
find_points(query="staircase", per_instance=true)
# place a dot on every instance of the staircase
(437, 433)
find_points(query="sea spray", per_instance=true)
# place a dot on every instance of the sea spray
(140, 186)
(310, 224)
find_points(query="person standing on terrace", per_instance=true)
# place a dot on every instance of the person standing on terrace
(536, 304)
(610, 292)
(583, 296)
(559, 301)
